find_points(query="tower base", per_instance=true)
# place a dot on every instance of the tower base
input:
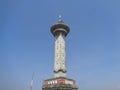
(60, 83)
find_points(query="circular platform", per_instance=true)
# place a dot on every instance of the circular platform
(60, 83)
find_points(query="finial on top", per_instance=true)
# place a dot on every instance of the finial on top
(60, 18)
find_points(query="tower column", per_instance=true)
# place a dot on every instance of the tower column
(60, 56)
(60, 31)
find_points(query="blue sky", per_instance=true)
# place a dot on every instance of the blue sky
(92, 46)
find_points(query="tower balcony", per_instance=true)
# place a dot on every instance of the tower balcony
(60, 27)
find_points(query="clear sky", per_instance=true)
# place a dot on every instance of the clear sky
(92, 46)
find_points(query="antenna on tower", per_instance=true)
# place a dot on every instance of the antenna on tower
(59, 18)
(31, 85)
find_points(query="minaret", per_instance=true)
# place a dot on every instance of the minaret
(59, 81)
(60, 31)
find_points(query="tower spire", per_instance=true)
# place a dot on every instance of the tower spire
(60, 18)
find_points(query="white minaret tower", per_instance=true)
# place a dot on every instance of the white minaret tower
(60, 31)
(60, 81)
